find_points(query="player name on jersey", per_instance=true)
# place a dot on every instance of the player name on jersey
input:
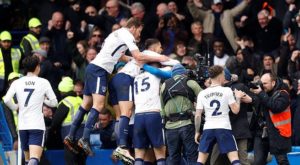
(29, 82)
(218, 94)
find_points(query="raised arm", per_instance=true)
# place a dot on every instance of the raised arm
(157, 72)
(235, 107)
(137, 55)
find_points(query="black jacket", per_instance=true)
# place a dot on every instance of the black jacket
(9, 116)
(278, 144)
(239, 122)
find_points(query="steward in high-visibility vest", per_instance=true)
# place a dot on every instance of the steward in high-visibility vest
(275, 103)
(67, 107)
(64, 116)
(30, 41)
(9, 60)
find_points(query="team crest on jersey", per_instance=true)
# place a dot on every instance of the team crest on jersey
(115, 34)
(103, 89)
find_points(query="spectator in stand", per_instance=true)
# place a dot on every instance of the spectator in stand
(30, 41)
(79, 58)
(247, 65)
(105, 128)
(74, 15)
(149, 20)
(162, 9)
(281, 7)
(179, 51)
(197, 44)
(172, 7)
(169, 31)
(90, 55)
(236, 64)
(96, 38)
(217, 21)
(9, 60)
(268, 65)
(183, 16)
(45, 43)
(294, 74)
(291, 21)
(112, 13)
(92, 12)
(60, 54)
(218, 55)
(45, 9)
(286, 48)
(263, 30)
(294, 65)
(296, 118)
(47, 68)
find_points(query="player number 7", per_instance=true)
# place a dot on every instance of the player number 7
(30, 91)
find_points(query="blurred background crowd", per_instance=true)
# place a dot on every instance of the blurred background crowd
(248, 37)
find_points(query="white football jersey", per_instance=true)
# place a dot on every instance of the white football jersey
(131, 68)
(31, 92)
(146, 93)
(114, 47)
(215, 102)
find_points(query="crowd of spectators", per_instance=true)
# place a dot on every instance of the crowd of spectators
(248, 37)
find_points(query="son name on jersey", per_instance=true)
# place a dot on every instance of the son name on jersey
(29, 82)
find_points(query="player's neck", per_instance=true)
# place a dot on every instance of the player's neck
(31, 74)
(215, 83)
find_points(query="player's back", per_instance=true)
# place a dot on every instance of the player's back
(114, 47)
(215, 101)
(146, 92)
(31, 92)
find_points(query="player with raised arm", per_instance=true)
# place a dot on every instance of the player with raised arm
(121, 95)
(96, 78)
(216, 102)
(31, 92)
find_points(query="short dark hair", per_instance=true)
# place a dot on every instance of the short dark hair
(151, 41)
(30, 63)
(215, 71)
(134, 22)
(105, 112)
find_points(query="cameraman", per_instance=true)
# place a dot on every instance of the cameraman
(177, 99)
(276, 110)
